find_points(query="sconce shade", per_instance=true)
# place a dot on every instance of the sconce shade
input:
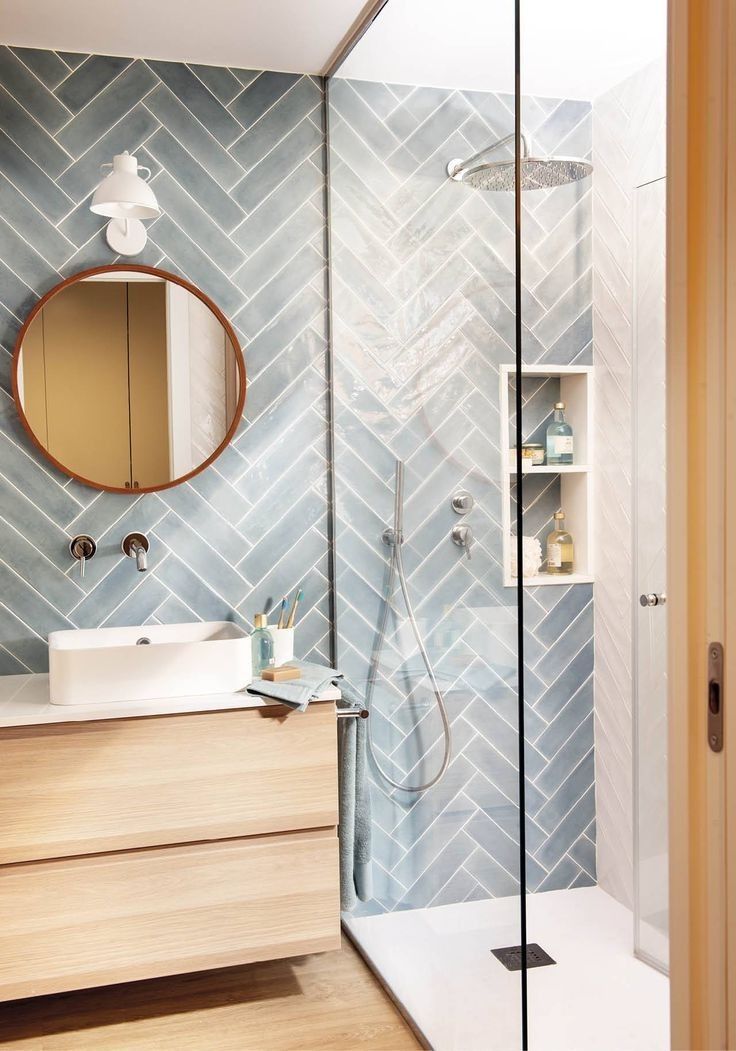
(123, 194)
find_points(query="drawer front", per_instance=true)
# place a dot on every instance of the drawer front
(83, 788)
(82, 922)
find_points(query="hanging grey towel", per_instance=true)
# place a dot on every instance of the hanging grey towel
(355, 804)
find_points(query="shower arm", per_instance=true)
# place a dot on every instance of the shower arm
(459, 166)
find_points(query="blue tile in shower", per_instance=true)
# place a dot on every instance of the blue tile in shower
(379, 97)
(574, 342)
(423, 224)
(568, 794)
(567, 646)
(577, 745)
(434, 877)
(362, 118)
(568, 830)
(582, 853)
(570, 605)
(562, 724)
(496, 881)
(562, 876)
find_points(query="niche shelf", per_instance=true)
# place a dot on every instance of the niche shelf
(568, 486)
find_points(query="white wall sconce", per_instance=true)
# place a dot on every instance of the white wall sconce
(127, 199)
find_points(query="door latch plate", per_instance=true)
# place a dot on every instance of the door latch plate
(715, 696)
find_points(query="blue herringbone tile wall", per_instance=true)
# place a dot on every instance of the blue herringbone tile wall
(423, 315)
(237, 168)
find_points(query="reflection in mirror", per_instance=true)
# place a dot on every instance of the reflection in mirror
(129, 380)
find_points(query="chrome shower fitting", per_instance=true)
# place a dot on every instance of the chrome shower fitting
(462, 536)
(537, 173)
(394, 539)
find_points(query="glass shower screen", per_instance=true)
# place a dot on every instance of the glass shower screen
(424, 331)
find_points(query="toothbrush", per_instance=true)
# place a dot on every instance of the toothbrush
(282, 615)
(297, 600)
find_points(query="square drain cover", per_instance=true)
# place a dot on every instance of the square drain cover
(511, 956)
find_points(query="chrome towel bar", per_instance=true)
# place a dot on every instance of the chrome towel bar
(352, 713)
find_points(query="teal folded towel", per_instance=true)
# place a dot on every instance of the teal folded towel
(354, 793)
(297, 693)
(355, 803)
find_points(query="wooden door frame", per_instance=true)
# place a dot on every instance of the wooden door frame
(701, 571)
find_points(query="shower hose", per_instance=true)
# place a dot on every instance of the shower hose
(394, 538)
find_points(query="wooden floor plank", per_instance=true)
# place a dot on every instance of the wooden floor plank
(330, 1002)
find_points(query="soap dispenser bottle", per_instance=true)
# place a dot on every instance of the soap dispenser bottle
(261, 642)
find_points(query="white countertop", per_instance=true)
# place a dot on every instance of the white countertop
(24, 701)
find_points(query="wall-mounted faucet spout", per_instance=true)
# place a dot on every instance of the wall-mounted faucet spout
(136, 546)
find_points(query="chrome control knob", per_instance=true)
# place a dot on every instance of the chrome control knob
(652, 599)
(462, 502)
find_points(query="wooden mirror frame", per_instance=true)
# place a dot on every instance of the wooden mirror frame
(164, 275)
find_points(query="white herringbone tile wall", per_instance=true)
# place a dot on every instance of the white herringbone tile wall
(423, 316)
(628, 150)
(237, 166)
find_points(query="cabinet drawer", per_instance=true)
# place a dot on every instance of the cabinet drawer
(83, 922)
(83, 788)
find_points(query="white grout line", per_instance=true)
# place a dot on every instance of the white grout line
(51, 92)
(98, 94)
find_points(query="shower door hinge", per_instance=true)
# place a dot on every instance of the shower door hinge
(715, 696)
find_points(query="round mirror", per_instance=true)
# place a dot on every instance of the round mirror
(128, 378)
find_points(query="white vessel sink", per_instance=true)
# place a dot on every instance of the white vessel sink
(140, 664)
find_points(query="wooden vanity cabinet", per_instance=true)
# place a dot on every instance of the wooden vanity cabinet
(135, 848)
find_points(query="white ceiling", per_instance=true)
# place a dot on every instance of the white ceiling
(570, 48)
(293, 35)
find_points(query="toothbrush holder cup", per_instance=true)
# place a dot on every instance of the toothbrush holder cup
(283, 645)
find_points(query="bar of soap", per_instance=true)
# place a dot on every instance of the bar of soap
(282, 674)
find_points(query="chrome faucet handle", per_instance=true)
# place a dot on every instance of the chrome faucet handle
(82, 548)
(136, 546)
(462, 536)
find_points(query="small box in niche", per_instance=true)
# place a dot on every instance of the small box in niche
(282, 674)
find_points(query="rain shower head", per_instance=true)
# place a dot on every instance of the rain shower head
(537, 173)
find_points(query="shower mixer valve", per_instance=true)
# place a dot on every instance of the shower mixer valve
(462, 536)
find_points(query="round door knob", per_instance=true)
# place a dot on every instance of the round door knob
(652, 599)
